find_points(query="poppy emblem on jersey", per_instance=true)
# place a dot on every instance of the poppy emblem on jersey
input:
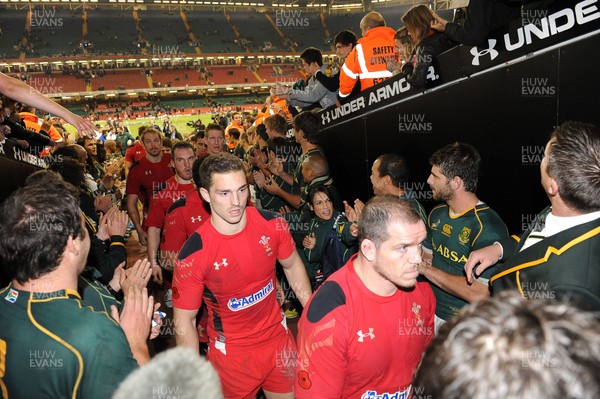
(304, 380)
(264, 241)
(416, 309)
(196, 219)
(237, 304)
(218, 265)
(12, 296)
(463, 237)
(361, 336)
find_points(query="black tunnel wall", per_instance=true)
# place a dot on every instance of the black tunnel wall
(507, 113)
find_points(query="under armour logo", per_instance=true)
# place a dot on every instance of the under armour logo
(325, 118)
(490, 50)
(148, 172)
(361, 336)
(197, 219)
(217, 265)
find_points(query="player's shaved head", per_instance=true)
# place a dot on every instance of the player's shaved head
(318, 164)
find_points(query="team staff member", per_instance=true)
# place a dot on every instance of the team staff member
(459, 226)
(231, 262)
(145, 178)
(364, 331)
(367, 61)
(558, 256)
(51, 343)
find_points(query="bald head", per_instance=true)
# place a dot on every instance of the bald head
(370, 21)
(314, 166)
(81, 152)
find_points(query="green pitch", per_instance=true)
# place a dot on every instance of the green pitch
(179, 121)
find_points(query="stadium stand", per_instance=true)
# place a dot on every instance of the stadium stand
(125, 79)
(260, 36)
(56, 83)
(213, 31)
(302, 28)
(13, 25)
(55, 32)
(343, 21)
(165, 31)
(177, 77)
(109, 37)
(235, 75)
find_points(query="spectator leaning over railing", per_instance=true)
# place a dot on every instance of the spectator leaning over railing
(427, 43)
(22, 92)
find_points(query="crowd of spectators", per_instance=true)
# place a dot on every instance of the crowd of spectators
(217, 205)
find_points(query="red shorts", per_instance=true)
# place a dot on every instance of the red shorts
(270, 366)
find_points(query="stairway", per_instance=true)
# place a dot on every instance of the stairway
(327, 34)
(191, 35)
(284, 39)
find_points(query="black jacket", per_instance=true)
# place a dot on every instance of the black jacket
(483, 17)
(423, 54)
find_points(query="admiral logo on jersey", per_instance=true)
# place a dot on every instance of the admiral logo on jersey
(235, 304)
(386, 395)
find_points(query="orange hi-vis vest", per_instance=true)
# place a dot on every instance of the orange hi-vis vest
(367, 60)
(33, 122)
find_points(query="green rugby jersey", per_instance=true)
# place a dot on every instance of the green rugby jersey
(54, 346)
(452, 240)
